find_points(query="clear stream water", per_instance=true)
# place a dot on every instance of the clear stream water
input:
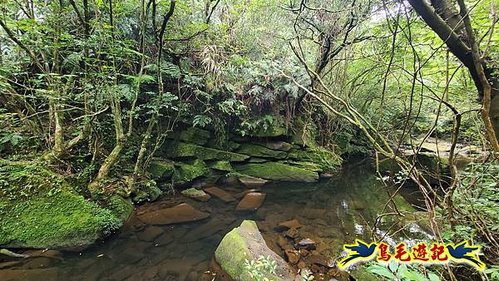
(332, 212)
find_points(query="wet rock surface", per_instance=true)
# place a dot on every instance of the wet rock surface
(285, 225)
(184, 251)
(251, 202)
(196, 194)
(220, 194)
(252, 182)
(178, 214)
(246, 243)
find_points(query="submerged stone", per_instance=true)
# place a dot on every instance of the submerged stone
(220, 193)
(285, 225)
(196, 194)
(178, 214)
(292, 255)
(246, 243)
(150, 233)
(279, 172)
(252, 182)
(306, 243)
(251, 202)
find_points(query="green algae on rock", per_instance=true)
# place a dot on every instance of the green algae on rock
(186, 172)
(279, 172)
(183, 150)
(246, 243)
(160, 169)
(38, 209)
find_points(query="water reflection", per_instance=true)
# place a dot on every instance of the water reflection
(332, 213)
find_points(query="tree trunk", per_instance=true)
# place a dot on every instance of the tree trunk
(442, 20)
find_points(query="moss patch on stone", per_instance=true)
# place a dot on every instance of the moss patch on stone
(222, 166)
(38, 209)
(261, 151)
(327, 160)
(183, 150)
(188, 172)
(278, 171)
(193, 135)
(160, 169)
(232, 252)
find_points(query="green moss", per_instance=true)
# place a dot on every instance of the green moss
(231, 254)
(146, 191)
(260, 151)
(327, 160)
(39, 209)
(120, 207)
(193, 192)
(278, 171)
(222, 166)
(60, 220)
(272, 131)
(188, 172)
(183, 150)
(160, 169)
(193, 135)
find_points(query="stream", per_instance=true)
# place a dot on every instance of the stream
(332, 213)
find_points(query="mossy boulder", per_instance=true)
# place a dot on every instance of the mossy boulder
(187, 172)
(327, 160)
(120, 207)
(221, 166)
(278, 171)
(193, 135)
(161, 169)
(189, 150)
(38, 209)
(261, 151)
(271, 131)
(246, 243)
(146, 191)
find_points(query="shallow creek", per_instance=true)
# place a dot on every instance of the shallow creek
(332, 213)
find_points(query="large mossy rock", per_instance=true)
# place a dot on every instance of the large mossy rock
(39, 209)
(246, 243)
(161, 169)
(189, 150)
(187, 172)
(324, 159)
(278, 171)
(193, 135)
(261, 151)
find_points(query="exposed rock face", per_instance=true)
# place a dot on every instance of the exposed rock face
(161, 169)
(196, 194)
(186, 172)
(221, 194)
(180, 213)
(251, 202)
(260, 151)
(182, 149)
(279, 172)
(246, 243)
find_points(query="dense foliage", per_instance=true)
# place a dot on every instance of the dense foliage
(93, 89)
